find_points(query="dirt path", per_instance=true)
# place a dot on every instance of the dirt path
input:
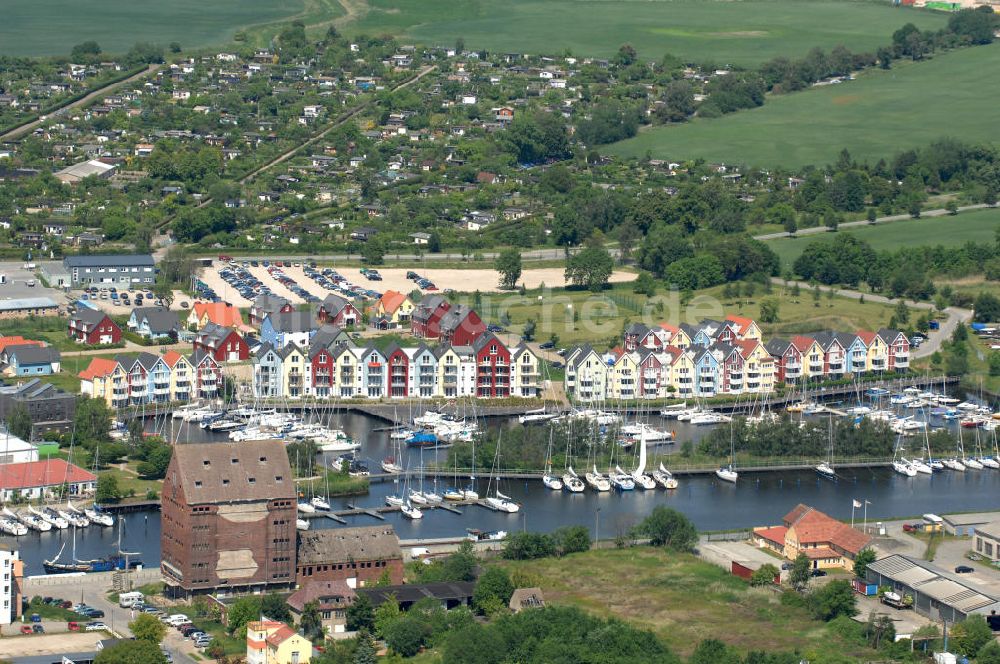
(24, 129)
(853, 224)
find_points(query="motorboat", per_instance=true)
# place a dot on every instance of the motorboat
(597, 481)
(411, 512)
(320, 503)
(813, 408)
(502, 503)
(727, 474)
(664, 478)
(572, 482)
(401, 434)
(476, 535)
(306, 508)
(301, 524)
(904, 468)
(652, 435)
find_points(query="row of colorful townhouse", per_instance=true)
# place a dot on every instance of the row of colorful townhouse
(147, 378)
(331, 366)
(725, 357)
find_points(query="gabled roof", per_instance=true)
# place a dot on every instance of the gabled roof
(269, 302)
(220, 313)
(292, 321)
(802, 343)
(342, 544)
(866, 336)
(207, 472)
(742, 324)
(88, 319)
(32, 354)
(42, 473)
(17, 341)
(392, 300)
(777, 346)
(318, 591)
(159, 319)
(280, 635)
(213, 335)
(99, 367)
(171, 358)
(888, 334)
(815, 527)
(334, 304)
(427, 306)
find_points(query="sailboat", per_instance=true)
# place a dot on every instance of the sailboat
(301, 524)
(12, 526)
(825, 469)
(967, 462)
(728, 473)
(597, 481)
(50, 517)
(548, 479)
(411, 512)
(664, 478)
(571, 481)
(639, 476)
(118, 561)
(30, 520)
(97, 516)
(902, 466)
(498, 501)
(621, 480)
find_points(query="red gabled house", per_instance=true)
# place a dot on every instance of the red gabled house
(461, 326)
(650, 374)
(426, 319)
(399, 371)
(207, 374)
(335, 310)
(731, 367)
(787, 360)
(322, 366)
(224, 344)
(88, 326)
(492, 367)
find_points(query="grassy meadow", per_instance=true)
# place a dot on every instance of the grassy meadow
(877, 115)
(52, 27)
(696, 30)
(609, 312)
(978, 226)
(681, 599)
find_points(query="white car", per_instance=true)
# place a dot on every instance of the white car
(95, 627)
(177, 619)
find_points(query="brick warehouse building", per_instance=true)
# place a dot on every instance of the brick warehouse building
(228, 521)
(358, 556)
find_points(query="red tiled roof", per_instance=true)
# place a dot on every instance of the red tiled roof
(17, 341)
(280, 635)
(866, 336)
(99, 367)
(33, 474)
(774, 534)
(802, 343)
(392, 300)
(220, 313)
(314, 591)
(746, 346)
(813, 527)
(743, 323)
(171, 358)
(673, 329)
(820, 553)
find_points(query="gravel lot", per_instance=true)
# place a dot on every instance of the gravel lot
(483, 280)
(51, 644)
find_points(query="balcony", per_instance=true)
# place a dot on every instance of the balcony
(138, 389)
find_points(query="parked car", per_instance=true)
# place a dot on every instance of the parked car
(73, 626)
(911, 527)
(95, 627)
(547, 345)
(818, 572)
(25, 629)
(35, 618)
(964, 569)
(37, 629)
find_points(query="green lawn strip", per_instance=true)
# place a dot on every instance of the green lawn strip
(875, 116)
(743, 33)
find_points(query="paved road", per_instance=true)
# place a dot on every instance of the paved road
(83, 101)
(851, 224)
(934, 337)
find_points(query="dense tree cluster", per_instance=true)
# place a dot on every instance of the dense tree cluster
(560, 542)
(786, 437)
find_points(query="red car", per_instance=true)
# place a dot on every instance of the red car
(223, 257)
(25, 629)
(73, 626)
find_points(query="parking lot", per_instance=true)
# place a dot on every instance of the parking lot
(17, 283)
(465, 280)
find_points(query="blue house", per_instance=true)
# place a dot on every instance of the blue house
(30, 360)
(706, 372)
(292, 327)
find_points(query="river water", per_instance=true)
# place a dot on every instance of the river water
(758, 499)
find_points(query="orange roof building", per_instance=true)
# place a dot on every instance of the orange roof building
(220, 313)
(18, 341)
(99, 367)
(393, 307)
(827, 542)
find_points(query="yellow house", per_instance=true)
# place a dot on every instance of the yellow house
(624, 378)
(682, 374)
(295, 368)
(758, 367)
(524, 377)
(827, 543)
(878, 352)
(677, 336)
(746, 328)
(587, 375)
(181, 375)
(394, 307)
(271, 642)
(812, 356)
(345, 377)
(106, 380)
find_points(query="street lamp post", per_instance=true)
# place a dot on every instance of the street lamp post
(597, 525)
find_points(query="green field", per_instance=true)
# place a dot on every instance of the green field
(696, 30)
(52, 27)
(977, 226)
(875, 116)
